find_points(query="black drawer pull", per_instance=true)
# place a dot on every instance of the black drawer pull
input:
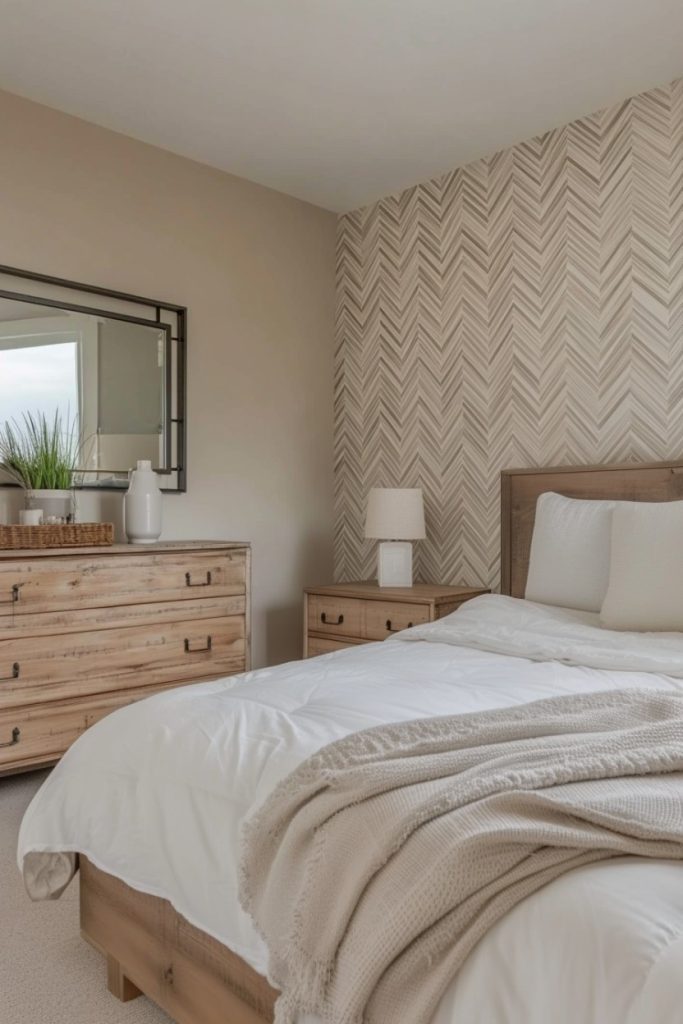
(202, 583)
(15, 673)
(390, 628)
(195, 650)
(16, 733)
(15, 594)
(323, 618)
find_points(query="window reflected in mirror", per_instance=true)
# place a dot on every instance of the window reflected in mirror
(107, 377)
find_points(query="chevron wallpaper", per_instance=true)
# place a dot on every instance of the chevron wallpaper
(524, 310)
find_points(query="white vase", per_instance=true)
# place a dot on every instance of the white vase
(142, 505)
(57, 506)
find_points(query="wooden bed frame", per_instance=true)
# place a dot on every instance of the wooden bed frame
(151, 949)
(520, 488)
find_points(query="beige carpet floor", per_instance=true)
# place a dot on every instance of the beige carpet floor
(48, 974)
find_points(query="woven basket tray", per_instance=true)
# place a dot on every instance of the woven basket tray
(68, 535)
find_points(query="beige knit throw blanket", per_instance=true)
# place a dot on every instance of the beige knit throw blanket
(373, 869)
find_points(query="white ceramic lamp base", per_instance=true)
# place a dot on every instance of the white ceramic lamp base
(395, 563)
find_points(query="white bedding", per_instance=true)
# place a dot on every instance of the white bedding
(156, 794)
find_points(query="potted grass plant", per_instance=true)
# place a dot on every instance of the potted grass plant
(41, 455)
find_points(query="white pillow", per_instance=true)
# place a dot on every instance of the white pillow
(570, 552)
(645, 590)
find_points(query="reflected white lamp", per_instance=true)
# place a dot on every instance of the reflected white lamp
(396, 517)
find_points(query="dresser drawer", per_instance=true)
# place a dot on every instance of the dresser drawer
(50, 584)
(39, 624)
(76, 664)
(335, 615)
(383, 618)
(42, 733)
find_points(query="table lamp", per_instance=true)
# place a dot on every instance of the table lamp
(395, 516)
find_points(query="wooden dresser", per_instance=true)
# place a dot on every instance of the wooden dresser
(357, 613)
(85, 631)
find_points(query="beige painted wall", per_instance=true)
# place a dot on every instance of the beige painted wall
(256, 270)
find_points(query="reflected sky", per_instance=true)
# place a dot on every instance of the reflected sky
(40, 379)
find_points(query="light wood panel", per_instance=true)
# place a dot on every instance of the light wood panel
(521, 488)
(335, 616)
(48, 585)
(82, 633)
(72, 664)
(344, 614)
(77, 620)
(382, 618)
(325, 645)
(116, 550)
(47, 730)
(150, 948)
(419, 593)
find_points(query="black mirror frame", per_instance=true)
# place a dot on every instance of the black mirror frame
(179, 420)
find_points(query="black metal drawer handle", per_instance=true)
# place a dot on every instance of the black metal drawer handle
(15, 673)
(16, 733)
(324, 619)
(195, 650)
(15, 594)
(390, 628)
(202, 583)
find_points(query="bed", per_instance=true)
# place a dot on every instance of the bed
(158, 885)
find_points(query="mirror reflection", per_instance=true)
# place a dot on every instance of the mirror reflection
(105, 376)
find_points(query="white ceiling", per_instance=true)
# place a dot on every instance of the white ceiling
(338, 102)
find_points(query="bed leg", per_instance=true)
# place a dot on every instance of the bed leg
(118, 984)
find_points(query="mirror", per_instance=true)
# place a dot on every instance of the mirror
(115, 378)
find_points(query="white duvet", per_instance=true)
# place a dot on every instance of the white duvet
(156, 794)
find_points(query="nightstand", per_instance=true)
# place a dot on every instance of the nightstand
(359, 613)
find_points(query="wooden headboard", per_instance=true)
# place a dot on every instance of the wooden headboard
(632, 481)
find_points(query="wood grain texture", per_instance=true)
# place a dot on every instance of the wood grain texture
(118, 984)
(29, 585)
(48, 729)
(382, 618)
(325, 645)
(159, 547)
(78, 620)
(370, 590)
(520, 489)
(73, 664)
(334, 616)
(83, 633)
(151, 948)
(346, 614)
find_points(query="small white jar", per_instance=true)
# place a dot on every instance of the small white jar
(142, 505)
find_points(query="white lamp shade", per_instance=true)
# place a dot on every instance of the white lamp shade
(395, 513)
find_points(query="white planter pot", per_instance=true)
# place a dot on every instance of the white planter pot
(142, 505)
(57, 506)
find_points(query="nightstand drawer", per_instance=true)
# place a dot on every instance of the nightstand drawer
(323, 645)
(359, 613)
(383, 618)
(334, 615)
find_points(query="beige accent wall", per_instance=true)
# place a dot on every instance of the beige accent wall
(256, 270)
(524, 310)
